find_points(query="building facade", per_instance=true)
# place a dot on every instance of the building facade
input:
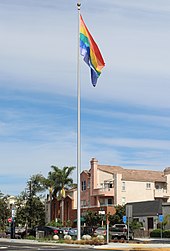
(103, 187)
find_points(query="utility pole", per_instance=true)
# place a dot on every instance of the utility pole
(30, 203)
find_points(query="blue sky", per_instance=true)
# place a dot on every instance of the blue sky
(125, 119)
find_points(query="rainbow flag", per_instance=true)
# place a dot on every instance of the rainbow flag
(90, 52)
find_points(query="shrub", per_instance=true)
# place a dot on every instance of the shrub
(157, 233)
(166, 233)
(68, 241)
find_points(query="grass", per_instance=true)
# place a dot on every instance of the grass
(93, 241)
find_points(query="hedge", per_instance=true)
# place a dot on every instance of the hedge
(157, 233)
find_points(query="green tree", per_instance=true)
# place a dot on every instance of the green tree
(30, 205)
(5, 212)
(117, 218)
(32, 213)
(36, 184)
(20, 209)
(91, 218)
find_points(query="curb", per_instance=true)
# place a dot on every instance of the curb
(110, 246)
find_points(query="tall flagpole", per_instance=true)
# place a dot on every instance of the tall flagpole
(78, 130)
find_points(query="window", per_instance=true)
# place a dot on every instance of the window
(123, 200)
(110, 202)
(83, 185)
(83, 203)
(107, 185)
(88, 185)
(102, 201)
(148, 185)
(158, 187)
(123, 186)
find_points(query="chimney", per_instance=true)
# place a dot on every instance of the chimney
(94, 164)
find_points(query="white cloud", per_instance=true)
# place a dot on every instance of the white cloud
(39, 63)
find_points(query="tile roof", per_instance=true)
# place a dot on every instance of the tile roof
(143, 175)
(86, 171)
(110, 169)
(135, 175)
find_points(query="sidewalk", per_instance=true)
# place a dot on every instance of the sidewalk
(140, 244)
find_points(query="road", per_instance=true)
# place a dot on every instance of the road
(20, 245)
(13, 246)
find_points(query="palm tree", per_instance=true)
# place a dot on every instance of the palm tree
(61, 182)
(50, 184)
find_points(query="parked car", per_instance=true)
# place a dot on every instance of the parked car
(84, 230)
(73, 232)
(48, 230)
(65, 230)
(88, 230)
(100, 231)
(19, 232)
(121, 231)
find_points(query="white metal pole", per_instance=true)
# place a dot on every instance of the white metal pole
(128, 225)
(107, 228)
(78, 130)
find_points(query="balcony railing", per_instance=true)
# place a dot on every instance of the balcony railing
(98, 206)
(103, 191)
(160, 193)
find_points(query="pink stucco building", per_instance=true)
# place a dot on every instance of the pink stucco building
(112, 185)
(104, 186)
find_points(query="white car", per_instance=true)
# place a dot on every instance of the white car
(100, 231)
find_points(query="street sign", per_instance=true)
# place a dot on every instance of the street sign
(13, 213)
(124, 219)
(161, 218)
(101, 212)
(9, 220)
